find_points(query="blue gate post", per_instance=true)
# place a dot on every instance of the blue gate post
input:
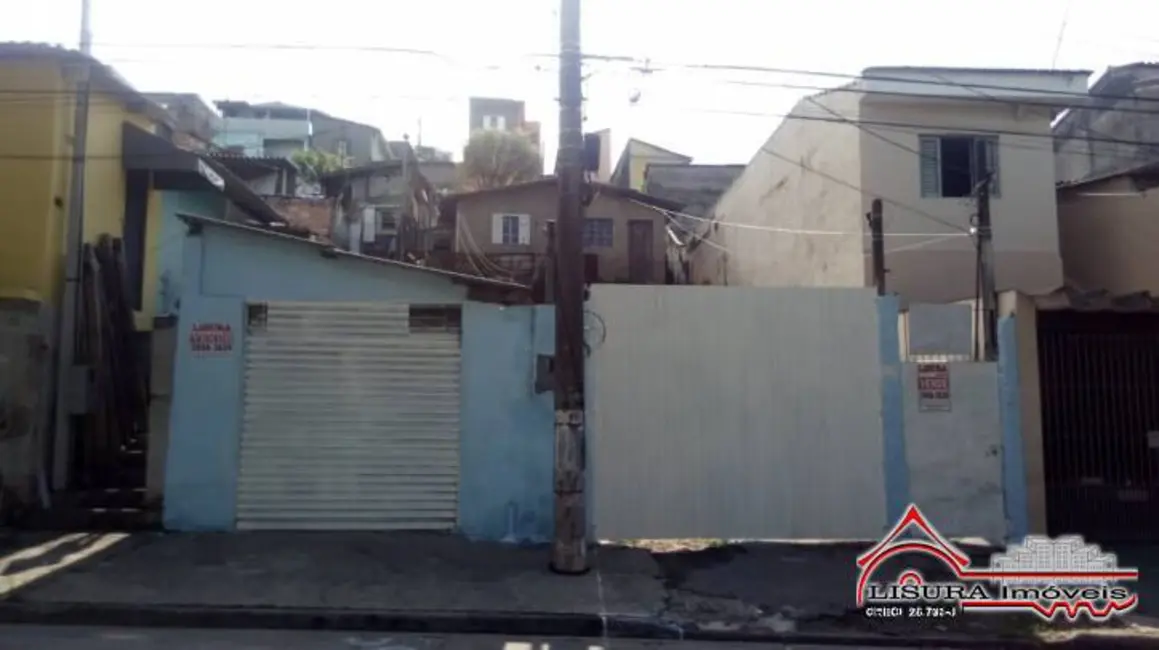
(896, 467)
(1010, 414)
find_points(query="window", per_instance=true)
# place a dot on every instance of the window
(510, 229)
(598, 233)
(495, 122)
(343, 148)
(949, 167)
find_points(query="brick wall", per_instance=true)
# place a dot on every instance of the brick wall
(313, 214)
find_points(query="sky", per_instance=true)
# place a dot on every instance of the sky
(337, 56)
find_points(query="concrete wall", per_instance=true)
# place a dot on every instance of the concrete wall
(505, 490)
(222, 269)
(172, 241)
(744, 413)
(955, 456)
(776, 191)
(24, 374)
(475, 218)
(1026, 237)
(1107, 241)
(164, 349)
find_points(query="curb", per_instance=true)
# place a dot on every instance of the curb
(467, 622)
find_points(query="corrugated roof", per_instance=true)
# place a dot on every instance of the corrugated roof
(604, 188)
(1151, 167)
(327, 248)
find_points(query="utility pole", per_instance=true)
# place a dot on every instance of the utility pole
(74, 242)
(877, 238)
(985, 245)
(569, 553)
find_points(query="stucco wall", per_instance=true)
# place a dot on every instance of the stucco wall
(1108, 241)
(32, 152)
(171, 247)
(222, 269)
(475, 215)
(955, 456)
(505, 490)
(1026, 240)
(776, 191)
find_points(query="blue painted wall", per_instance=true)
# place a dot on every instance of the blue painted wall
(897, 493)
(169, 261)
(1010, 412)
(505, 490)
(222, 268)
(202, 459)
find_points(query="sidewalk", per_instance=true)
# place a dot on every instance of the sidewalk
(445, 584)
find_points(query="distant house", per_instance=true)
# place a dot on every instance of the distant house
(195, 123)
(510, 115)
(635, 159)
(821, 169)
(1117, 130)
(383, 209)
(504, 232)
(275, 129)
(697, 187)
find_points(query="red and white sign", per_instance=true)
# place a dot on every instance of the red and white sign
(211, 338)
(933, 387)
(1053, 578)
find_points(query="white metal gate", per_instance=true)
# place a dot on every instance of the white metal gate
(351, 417)
(735, 413)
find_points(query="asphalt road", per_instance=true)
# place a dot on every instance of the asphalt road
(29, 637)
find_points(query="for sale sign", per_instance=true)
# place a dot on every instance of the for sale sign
(933, 387)
(211, 338)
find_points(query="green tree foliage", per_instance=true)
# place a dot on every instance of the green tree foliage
(498, 159)
(314, 163)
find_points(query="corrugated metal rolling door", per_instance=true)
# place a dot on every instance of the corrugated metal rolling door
(351, 417)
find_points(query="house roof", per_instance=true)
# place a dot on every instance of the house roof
(103, 75)
(601, 188)
(950, 69)
(1115, 82)
(250, 167)
(1147, 168)
(141, 150)
(333, 181)
(281, 233)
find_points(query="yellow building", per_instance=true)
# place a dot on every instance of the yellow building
(633, 163)
(38, 86)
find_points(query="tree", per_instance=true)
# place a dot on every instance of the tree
(498, 159)
(314, 163)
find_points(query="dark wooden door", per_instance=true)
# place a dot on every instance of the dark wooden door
(640, 261)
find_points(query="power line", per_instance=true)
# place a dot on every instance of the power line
(787, 231)
(654, 66)
(651, 65)
(901, 126)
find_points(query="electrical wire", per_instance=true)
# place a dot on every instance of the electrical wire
(647, 64)
(787, 231)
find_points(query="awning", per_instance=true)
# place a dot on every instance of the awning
(177, 169)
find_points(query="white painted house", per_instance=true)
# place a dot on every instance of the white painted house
(907, 136)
